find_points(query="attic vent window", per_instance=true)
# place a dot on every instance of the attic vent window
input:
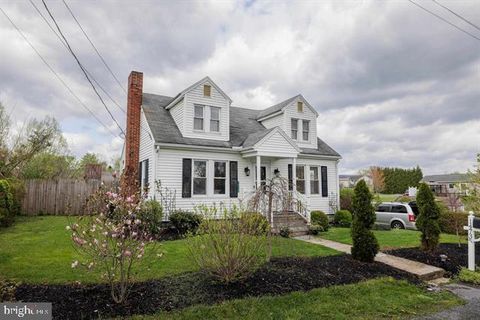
(207, 90)
(300, 106)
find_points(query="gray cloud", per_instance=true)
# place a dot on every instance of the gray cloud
(393, 85)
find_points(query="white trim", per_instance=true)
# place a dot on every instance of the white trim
(271, 133)
(193, 86)
(270, 115)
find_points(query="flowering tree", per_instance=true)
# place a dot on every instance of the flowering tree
(113, 240)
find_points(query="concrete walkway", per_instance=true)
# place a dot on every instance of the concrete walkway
(423, 271)
(470, 310)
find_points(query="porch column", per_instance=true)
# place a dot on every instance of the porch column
(258, 172)
(294, 174)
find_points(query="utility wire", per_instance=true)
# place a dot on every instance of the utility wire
(66, 47)
(81, 66)
(446, 21)
(94, 47)
(458, 15)
(56, 74)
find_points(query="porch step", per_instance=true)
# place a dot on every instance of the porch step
(295, 223)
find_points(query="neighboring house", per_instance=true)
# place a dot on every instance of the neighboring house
(350, 180)
(211, 152)
(444, 184)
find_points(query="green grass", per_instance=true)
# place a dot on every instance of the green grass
(469, 276)
(388, 239)
(39, 250)
(373, 299)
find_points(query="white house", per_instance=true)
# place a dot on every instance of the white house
(209, 151)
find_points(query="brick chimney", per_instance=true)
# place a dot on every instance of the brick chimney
(132, 139)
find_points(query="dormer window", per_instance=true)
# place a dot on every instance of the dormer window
(198, 118)
(300, 106)
(305, 129)
(207, 90)
(294, 129)
(214, 119)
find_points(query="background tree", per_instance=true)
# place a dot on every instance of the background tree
(427, 219)
(472, 200)
(378, 179)
(48, 165)
(33, 138)
(397, 180)
(365, 245)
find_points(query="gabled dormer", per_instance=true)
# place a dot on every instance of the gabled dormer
(202, 111)
(296, 117)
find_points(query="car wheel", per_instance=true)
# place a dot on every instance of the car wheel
(397, 225)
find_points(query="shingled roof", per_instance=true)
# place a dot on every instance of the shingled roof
(245, 130)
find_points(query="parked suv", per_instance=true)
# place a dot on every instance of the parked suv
(396, 215)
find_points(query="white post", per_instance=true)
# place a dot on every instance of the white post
(471, 243)
(258, 172)
(294, 174)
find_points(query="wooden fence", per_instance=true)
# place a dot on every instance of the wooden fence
(57, 197)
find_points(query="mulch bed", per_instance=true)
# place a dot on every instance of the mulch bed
(457, 257)
(279, 276)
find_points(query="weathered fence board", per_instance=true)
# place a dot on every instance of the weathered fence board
(57, 197)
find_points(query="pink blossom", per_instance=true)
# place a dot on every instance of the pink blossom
(127, 253)
(79, 241)
(129, 199)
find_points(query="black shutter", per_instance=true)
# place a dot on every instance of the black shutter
(233, 179)
(140, 174)
(290, 177)
(145, 181)
(187, 178)
(324, 182)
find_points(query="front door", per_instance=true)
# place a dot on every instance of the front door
(263, 175)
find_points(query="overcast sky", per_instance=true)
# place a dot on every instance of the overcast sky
(394, 86)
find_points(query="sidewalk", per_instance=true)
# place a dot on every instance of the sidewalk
(423, 271)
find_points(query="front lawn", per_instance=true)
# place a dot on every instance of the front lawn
(388, 239)
(39, 250)
(373, 299)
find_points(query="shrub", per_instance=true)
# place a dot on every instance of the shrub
(365, 245)
(151, 213)
(114, 241)
(319, 218)
(230, 248)
(346, 199)
(469, 276)
(185, 222)
(284, 232)
(403, 199)
(453, 222)
(7, 290)
(6, 204)
(315, 229)
(427, 220)
(343, 218)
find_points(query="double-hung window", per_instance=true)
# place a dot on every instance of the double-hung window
(314, 181)
(200, 177)
(294, 126)
(305, 129)
(300, 170)
(198, 117)
(220, 177)
(214, 119)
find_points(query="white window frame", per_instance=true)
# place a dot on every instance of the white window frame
(292, 120)
(317, 181)
(195, 117)
(220, 178)
(307, 131)
(304, 178)
(215, 120)
(206, 177)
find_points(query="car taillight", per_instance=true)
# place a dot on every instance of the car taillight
(411, 218)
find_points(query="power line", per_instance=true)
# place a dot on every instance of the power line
(55, 73)
(94, 47)
(81, 66)
(458, 15)
(63, 43)
(445, 20)
(90, 75)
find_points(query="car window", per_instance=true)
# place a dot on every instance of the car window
(383, 208)
(399, 209)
